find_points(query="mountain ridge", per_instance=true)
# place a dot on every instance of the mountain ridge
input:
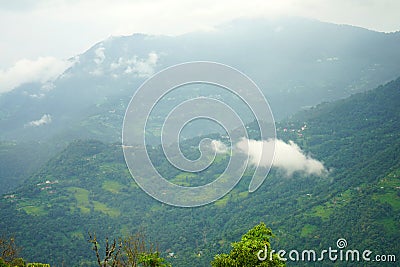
(323, 62)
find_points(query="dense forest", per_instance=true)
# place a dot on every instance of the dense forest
(87, 188)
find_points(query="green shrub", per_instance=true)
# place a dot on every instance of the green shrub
(18, 262)
(3, 263)
(38, 265)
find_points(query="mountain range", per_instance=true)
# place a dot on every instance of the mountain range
(333, 89)
(297, 63)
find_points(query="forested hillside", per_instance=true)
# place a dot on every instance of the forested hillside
(87, 187)
(296, 62)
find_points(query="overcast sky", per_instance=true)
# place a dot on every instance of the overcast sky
(42, 33)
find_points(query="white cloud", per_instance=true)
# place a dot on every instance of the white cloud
(288, 157)
(38, 96)
(99, 58)
(142, 67)
(41, 70)
(48, 86)
(106, 18)
(219, 147)
(99, 55)
(332, 59)
(45, 119)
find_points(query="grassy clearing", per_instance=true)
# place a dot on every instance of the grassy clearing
(243, 194)
(98, 206)
(77, 235)
(84, 205)
(82, 198)
(112, 167)
(112, 186)
(34, 210)
(222, 202)
(184, 178)
(219, 157)
(322, 211)
(325, 210)
(389, 187)
(390, 198)
(234, 195)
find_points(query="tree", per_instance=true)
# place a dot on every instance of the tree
(152, 260)
(132, 251)
(8, 249)
(3, 263)
(9, 252)
(138, 252)
(245, 252)
(111, 253)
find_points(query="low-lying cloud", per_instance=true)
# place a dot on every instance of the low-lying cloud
(24, 71)
(99, 55)
(288, 156)
(45, 119)
(141, 67)
(219, 147)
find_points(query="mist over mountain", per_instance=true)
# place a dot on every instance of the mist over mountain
(297, 63)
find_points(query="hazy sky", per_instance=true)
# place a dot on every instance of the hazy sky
(34, 33)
